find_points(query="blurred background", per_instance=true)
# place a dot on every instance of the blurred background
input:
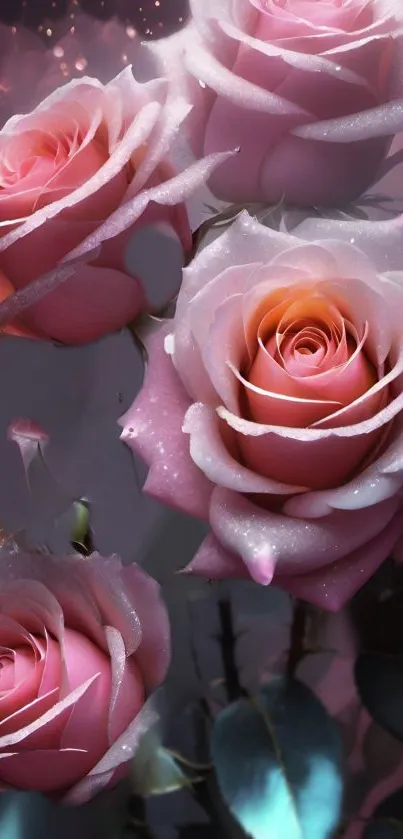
(152, 18)
(49, 42)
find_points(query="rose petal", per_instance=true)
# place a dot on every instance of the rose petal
(144, 431)
(43, 770)
(312, 172)
(246, 240)
(82, 660)
(216, 563)
(211, 454)
(136, 134)
(299, 60)
(30, 439)
(177, 190)
(50, 591)
(202, 65)
(127, 696)
(49, 725)
(328, 588)
(119, 753)
(287, 454)
(380, 240)
(39, 251)
(331, 587)
(193, 330)
(262, 537)
(91, 303)
(153, 653)
(378, 481)
(383, 120)
(29, 713)
(170, 193)
(150, 644)
(52, 670)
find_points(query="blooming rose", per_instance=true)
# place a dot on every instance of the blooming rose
(82, 643)
(275, 410)
(310, 90)
(81, 174)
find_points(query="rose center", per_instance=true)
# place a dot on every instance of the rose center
(307, 349)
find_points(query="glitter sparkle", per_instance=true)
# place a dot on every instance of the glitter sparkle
(151, 18)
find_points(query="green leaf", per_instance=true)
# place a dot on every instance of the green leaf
(154, 769)
(81, 524)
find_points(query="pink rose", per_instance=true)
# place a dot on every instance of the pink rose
(81, 175)
(82, 643)
(275, 409)
(310, 90)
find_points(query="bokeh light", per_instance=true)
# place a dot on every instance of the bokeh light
(45, 43)
(151, 18)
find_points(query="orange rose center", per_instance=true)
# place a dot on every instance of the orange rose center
(307, 359)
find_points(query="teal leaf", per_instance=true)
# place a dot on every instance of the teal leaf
(12, 820)
(278, 760)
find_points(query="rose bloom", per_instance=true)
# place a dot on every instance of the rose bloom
(79, 175)
(272, 405)
(309, 90)
(82, 643)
